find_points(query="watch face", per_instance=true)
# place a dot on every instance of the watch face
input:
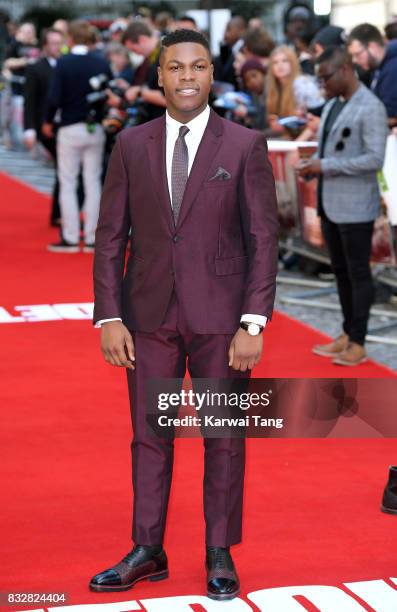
(253, 329)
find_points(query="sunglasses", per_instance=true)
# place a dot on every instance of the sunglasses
(325, 77)
(340, 145)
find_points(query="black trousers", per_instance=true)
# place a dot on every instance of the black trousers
(349, 246)
(50, 145)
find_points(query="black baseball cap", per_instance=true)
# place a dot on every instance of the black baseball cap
(330, 36)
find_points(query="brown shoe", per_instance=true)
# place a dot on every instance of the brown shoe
(352, 356)
(333, 348)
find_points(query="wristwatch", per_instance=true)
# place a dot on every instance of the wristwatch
(252, 328)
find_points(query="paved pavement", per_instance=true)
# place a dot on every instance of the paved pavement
(324, 314)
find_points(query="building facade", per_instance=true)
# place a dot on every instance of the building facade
(348, 13)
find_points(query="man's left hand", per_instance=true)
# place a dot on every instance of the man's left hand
(245, 351)
(309, 166)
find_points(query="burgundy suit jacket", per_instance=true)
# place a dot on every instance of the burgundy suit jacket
(221, 258)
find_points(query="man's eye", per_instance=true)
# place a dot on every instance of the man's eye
(200, 66)
(174, 68)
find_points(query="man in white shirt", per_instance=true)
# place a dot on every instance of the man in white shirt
(198, 194)
(80, 138)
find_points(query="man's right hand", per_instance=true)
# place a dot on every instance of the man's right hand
(117, 345)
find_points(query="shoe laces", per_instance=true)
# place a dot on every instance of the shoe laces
(138, 550)
(220, 557)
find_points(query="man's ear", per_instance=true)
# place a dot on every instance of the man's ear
(160, 76)
(212, 73)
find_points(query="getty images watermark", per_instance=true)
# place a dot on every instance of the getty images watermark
(209, 407)
(272, 407)
(214, 402)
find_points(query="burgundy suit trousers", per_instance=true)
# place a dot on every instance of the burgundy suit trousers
(166, 353)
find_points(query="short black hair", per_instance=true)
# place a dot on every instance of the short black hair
(366, 33)
(184, 36)
(336, 55)
(391, 30)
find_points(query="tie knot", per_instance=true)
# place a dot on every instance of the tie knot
(183, 130)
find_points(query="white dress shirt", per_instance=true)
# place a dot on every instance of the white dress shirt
(193, 138)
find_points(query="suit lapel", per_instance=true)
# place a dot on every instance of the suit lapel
(156, 146)
(324, 116)
(345, 110)
(205, 155)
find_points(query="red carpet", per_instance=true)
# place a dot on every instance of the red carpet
(312, 506)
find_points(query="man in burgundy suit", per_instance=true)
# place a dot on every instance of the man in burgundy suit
(198, 194)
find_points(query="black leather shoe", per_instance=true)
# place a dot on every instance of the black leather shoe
(222, 579)
(143, 562)
(389, 501)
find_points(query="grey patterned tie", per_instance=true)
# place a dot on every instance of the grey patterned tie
(179, 173)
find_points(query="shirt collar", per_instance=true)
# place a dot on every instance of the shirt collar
(196, 126)
(79, 50)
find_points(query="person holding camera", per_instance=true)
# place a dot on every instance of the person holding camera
(145, 95)
(81, 137)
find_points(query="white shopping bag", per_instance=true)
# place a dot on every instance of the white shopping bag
(388, 179)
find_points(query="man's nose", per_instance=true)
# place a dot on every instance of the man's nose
(188, 74)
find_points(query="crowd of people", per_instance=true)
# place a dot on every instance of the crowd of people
(73, 90)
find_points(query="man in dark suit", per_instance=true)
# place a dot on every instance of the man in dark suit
(38, 78)
(233, 42)
(198, 193)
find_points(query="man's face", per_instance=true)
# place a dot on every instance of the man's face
(54, 45)
(233, 33)
(26, 34)
(144, 45)
(62, 26)
(330, 79)
(186, 74)
(295, 27)
(364, 56)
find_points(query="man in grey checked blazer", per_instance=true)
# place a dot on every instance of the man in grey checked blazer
(352, 140)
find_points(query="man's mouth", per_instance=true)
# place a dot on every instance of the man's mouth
(187, 91)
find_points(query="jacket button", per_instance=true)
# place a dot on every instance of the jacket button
(176, 238)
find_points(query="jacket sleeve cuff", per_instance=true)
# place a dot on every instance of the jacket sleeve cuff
(327, 167)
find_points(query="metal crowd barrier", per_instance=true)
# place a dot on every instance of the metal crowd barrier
(300, 233)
